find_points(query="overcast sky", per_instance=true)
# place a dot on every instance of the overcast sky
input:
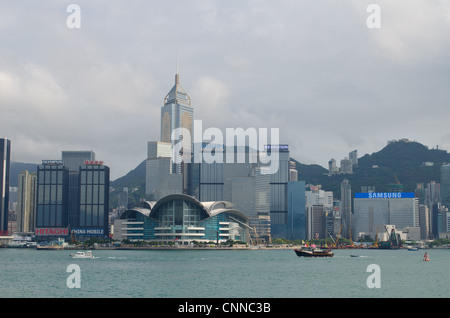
(313, 69)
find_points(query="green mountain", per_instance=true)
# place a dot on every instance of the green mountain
(134, 181)
(400, 164)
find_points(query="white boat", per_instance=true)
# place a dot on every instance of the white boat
(80, 254)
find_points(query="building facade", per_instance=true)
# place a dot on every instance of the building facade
(160, 180)
(296, 217)
(318, 203)
(94, 201)
(26, 202)
(177, 112)
(372, 211)
(346, 209)
(182, 219)
(52, 217)
(445, 185)
(5, 167)
(72, 203)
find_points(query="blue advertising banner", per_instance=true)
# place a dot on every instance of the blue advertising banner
(384, 195)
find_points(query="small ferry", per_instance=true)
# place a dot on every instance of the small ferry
(313, 252)
(49, 247)
(80, 254)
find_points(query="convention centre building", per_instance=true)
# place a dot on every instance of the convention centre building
(184, 219)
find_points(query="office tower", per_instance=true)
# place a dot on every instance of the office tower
(296, 216)
(26, 202)
(445, 185)
(177, 112)
(278, 194)
(424, 221)
(346, 208)
(160, 181)
(372, 211)
(432, 193)
(243, 184)
(318, 204)
(122, 199)
(160, 178)
(72, 200)
(52, 199)
(5, 163)
(94, 198)
(72, 160)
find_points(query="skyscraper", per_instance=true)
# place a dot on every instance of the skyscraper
(26, 202)
(346, 208)
(163, 175)
(445, 185)
(5, 162)
(177, 112)
(73, 199)
(159, 179)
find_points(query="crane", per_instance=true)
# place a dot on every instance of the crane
(337, 237)
(375, 243)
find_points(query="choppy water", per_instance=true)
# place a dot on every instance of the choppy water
(29, 273)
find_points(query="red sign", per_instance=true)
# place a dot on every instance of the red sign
(93, 162)
(52, 231)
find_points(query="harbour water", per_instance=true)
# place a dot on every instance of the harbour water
(278, 273)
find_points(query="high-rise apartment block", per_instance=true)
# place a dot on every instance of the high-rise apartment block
(26, 202)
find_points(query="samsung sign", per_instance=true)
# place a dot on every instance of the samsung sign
(384, 195)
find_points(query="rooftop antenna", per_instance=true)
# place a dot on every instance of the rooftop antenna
(177, 77)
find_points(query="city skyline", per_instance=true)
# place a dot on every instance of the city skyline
(314, 70)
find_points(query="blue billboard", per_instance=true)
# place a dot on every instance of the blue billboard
(384, 195)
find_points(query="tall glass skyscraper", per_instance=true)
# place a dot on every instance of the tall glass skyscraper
(5, 163)
(177, 112)
(72, 199)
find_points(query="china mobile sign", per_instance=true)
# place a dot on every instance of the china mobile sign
(52, 231)
(88, 231)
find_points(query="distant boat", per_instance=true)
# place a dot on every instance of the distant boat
(413, 249)
(49, 247)
(88, 254)
(313, 252)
